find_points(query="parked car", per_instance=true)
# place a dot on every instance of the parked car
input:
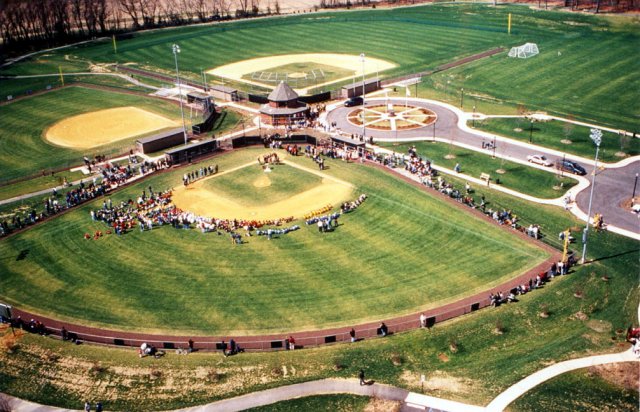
(539, 160)
(571, 167)
(354, 101)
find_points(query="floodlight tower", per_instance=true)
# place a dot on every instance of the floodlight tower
(176, 50)
(364, 127)
(596, 136)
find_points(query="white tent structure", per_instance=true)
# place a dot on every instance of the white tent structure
(525, 51)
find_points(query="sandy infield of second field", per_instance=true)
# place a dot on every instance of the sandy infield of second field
(101, 127)
(236, 70)
(209, 203)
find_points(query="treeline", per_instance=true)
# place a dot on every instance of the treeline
(27, 25)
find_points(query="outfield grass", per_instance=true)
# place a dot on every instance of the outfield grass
(581, 391)
(38, 183)
(293, 283)
(521, 178)
(23, 149)
(283, 182)
(550, 134)
(485, 364)
(585, 67)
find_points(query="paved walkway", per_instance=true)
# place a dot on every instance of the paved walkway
(614, 184)
(120, 75)
(411, 401)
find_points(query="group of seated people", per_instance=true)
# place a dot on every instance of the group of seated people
(157, 209)
(198, 174)
(556, 269)
(347, 207)
(269, 159)
(112, 176)
(232, 348)
(32, 326)
(147, 349)
(269, 233)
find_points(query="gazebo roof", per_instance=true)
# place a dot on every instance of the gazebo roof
(282, 93)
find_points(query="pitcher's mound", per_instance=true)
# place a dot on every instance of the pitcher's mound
(262, 181)
(105, 126)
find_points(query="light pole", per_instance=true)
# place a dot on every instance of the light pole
(635, 183)
(473, 119)
(176, 50)
(530, 130)
(364, 127)
(596, 136)
(493, 156)
(461, 97)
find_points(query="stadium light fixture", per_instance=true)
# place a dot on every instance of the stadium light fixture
(364, 127)
(596, 136)
(176, 51)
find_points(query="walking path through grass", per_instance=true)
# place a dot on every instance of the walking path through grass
(122, 76)
(452, 128)
(411, 400)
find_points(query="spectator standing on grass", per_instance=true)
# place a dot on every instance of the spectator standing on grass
(99, 407)
(361, 377)
(352, 333)
(87, 406)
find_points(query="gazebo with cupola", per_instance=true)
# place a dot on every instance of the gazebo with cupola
(283, 108)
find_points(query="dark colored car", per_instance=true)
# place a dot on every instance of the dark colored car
(354, 101)
(571, 167)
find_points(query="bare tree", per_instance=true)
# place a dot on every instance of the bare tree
(130, 7)
(242, 6)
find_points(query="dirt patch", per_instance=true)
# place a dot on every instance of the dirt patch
(382, 405)
(443, 357)
(621, 154)
(625, 374)
(297, 75)
(262, 181)
(566, 141)
(195, 198)
(600, 326)
(438, 381)
(105, 126)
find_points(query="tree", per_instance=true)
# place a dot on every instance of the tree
(130, 7)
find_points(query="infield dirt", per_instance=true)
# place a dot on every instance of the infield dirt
(203, 202)
(102, 127)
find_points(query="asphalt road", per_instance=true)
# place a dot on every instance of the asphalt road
(614, 185)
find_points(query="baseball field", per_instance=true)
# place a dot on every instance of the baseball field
(398, 252)
(403, 250)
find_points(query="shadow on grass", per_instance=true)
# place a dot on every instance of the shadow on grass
(616, 255)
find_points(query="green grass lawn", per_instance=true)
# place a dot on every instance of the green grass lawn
(518, 177)
(38, 183)
(550, 134)
(337, 403)
(582, 390)
(23, 149)
(585, 67)
(485, 364)
(284, 182)
(293, 283)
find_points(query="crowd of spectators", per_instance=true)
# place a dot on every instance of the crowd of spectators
(109, 177)
(428, 176)
(556, 269)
